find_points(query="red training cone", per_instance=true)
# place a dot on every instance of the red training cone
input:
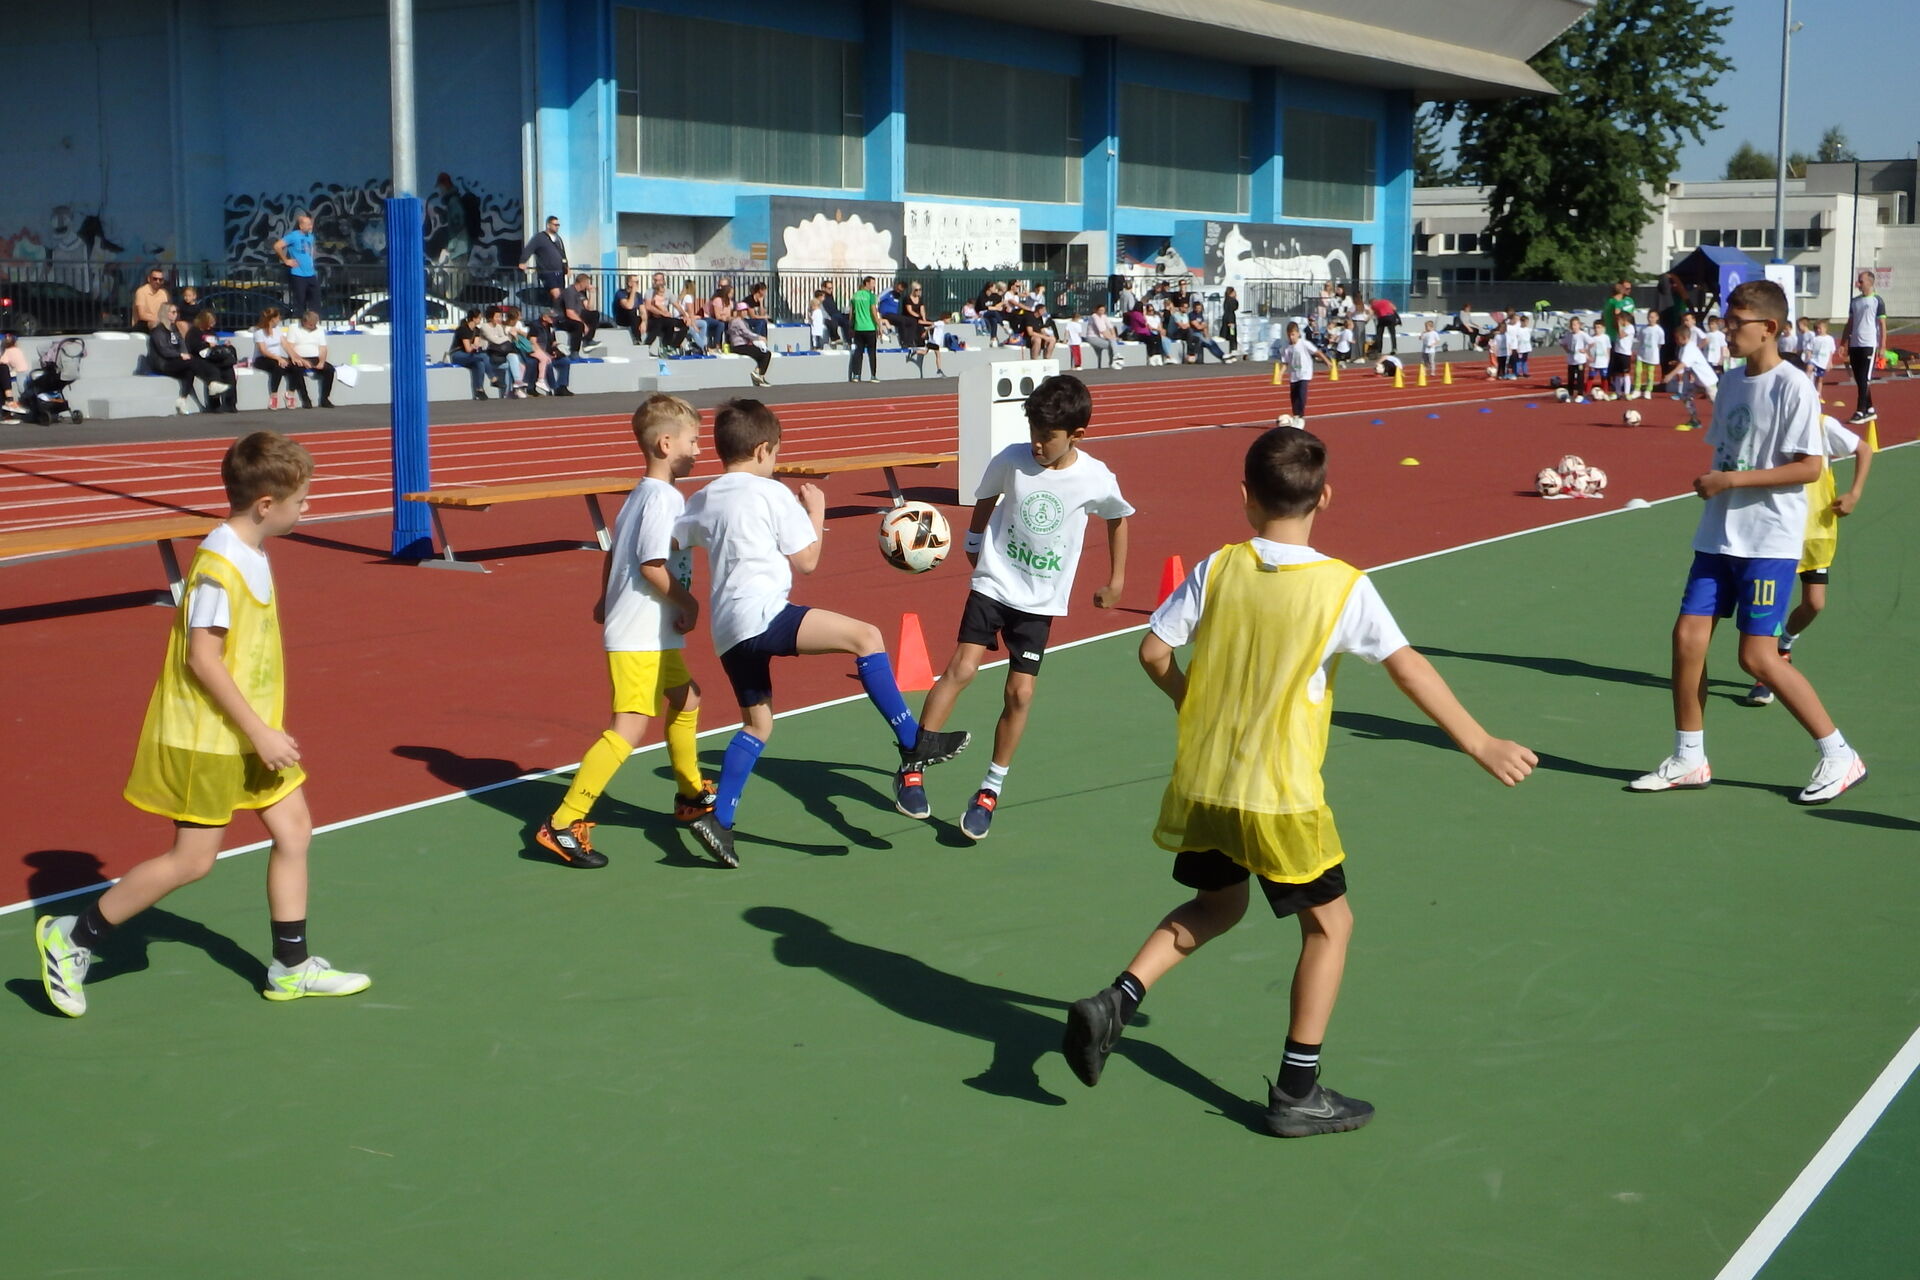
(1171, 577)
(911, 669)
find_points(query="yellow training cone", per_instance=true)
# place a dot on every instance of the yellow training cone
(1423, 375)
(1873, 436)
(1446, 374)
(1276, 373)
(1399, 378)
(1409, 462)
(1333, 371)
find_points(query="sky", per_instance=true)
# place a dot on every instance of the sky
(1852, 66)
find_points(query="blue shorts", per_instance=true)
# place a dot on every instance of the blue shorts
(749, 664)
(1757, 594)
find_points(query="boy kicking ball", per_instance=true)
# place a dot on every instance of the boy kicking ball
(756, 534)
(1767, 448)
(1269, 619)
(1029, 521)
(215, 740)
(647, 612)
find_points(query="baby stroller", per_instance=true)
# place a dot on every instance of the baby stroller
(44, 400)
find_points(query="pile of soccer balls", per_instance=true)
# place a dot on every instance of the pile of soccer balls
(1573, 478)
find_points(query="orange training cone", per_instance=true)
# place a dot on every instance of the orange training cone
(1171, 577)
(911, 669)
(1446, 374)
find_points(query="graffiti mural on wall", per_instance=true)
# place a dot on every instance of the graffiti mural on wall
(465, 226)
(74, 248)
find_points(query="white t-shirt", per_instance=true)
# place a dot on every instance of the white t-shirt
(1429, 340)
(749, 525)
(1576, 345)
(1715, 343)
(1820, 349)
(1696, 364)
(306, 343)
(1789, 341)
(207, 601)
(817, 322)
(1299, 360)
(1623, 345)
(1365, 626)
(1840, 442)
(1760, 421)
(268, 340)
(1032, 548)
(1520, 342)
(1650, 338)
(1598, 347)
(1343, 341)
(1864, 315)
(637, 619)
(1499, 344)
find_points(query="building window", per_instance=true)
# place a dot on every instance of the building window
(1180, 150)
(1806, 282)
(1454, 277)
(1689, 238)
(1796, 240)
(791, 113)
(1753, 238)
(1019, 140)
(1328, 170)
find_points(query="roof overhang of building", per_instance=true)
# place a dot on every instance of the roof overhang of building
(1455, 49)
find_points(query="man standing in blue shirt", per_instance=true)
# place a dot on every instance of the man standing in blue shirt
(296, 254)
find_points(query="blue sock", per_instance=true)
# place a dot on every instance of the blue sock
(876, 677)
(743, 752)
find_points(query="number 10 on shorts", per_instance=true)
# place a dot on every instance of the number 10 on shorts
(1763, 593)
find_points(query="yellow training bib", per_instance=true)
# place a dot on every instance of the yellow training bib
(193, 764)
(1823, 526)
(1246, 772)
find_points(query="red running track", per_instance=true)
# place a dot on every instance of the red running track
(406, 682)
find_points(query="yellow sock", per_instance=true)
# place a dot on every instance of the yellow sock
(603, 760)
(683, 750)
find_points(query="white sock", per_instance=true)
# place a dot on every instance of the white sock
(1833, 746)
(1690, 745)
(1786, 641)
(996, 778)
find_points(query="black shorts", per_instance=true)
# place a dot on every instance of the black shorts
(749, 664)
(1618, 364)
(1210, 869)
(985, 620)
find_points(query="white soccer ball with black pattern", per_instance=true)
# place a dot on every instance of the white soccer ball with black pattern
(1631, 417)
(1549, 482)
(914, 536)
(1593, 481)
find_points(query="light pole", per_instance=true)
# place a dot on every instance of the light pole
(1787, 27)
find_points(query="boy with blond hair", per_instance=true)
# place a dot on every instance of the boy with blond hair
(647, 612)
(756, 534)
(215, 740)
(1269, 619)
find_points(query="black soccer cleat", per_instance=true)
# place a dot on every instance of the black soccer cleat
(572, 844)
(934, 746)
(716, 839)
(1093, 1028)
(1321, 1111)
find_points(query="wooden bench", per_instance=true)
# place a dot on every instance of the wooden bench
(480, 497)
(821, 468)
(37, 544)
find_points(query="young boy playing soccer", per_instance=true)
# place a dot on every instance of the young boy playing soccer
(215, 740)
(756, 534)
(1029, 519)
(1825, 509)
(1767, 448)
(647, 612)
(1268, 619)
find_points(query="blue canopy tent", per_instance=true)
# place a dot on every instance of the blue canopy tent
(1716, 270)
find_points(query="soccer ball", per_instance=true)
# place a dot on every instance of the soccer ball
(1593, 481)
(914, 536)
(1631, 417)
(1284, 420)
(1555, 383)
(1571, 464)
(1548, 482)
(1562, 394)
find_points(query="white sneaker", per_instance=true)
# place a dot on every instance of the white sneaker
(184, 405)
(1674, 774)
(1833, 775)
(312, 977)
(1118, 363)
(218, 388)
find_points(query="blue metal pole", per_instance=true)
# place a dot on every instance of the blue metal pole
(407, 362)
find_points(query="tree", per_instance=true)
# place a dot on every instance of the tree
(1750, 163)
(1834, 146)
(1430, 166)
(1566, 173)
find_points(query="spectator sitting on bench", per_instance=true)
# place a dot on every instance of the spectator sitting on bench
(270, 356)
(13, 368)
(719, 312)
(577, 317)
(745, 342)
(693, 314)
(201, 341)
(307, 352)
(502, 355)
(757, 314)
(530, 351)
(469, 351)
(626, 304)
(167, 356)
(558, 370)
(664, 326)
(837, 325)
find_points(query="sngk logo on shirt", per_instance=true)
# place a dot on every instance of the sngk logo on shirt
(1043, 512)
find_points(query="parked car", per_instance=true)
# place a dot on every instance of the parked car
(238, 310)
(369, 309)
(29, 307)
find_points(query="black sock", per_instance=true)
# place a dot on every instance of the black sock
(290, 942)
(1132, 992)
(1299, 1068)
(90, 928)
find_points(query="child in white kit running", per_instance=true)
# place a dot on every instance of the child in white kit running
(1029, 520)
(1430, 349)
(1819, 347)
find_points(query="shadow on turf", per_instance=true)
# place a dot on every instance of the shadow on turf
(1572, 667)
(1004, 1018)
(1365, 725)
(1860, 818)
(125, 951)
